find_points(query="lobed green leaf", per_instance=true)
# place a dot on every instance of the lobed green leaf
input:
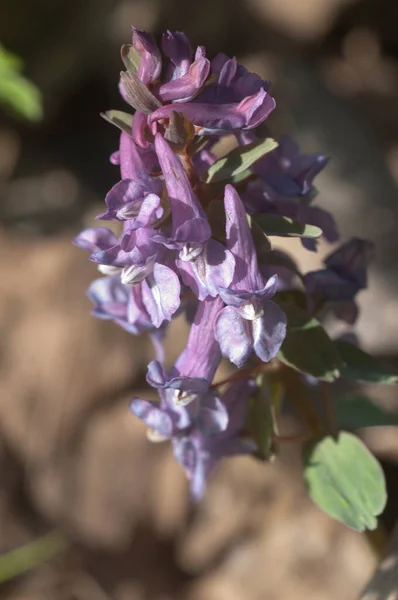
(345, 480)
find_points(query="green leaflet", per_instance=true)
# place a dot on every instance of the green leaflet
(284, 227)
(21, 559)
(345, 480)
(360, 366)
(307, 347)
(260, 419)
(17, 93)
(356, 410)
(238, 161)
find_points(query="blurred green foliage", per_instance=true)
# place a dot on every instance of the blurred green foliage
(18, 95)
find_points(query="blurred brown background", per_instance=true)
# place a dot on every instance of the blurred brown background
(71, 455)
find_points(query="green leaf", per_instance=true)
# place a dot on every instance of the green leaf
(260, 420)
(17, 93)
(239, 160)
(345, 480)
(354, 411)
(18, 561)
(284, 227)
(9, 61)
(307, 347)
(360, 366)
(122, 120)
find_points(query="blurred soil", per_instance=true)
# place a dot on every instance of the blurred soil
(71, 455)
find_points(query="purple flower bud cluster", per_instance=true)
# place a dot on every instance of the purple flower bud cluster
(172, 256)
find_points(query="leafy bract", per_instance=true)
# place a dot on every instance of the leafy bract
(285, 227)
(239, 161)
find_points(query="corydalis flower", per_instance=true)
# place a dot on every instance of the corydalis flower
(194, 369)
(345, 275)
(215, 97)
(251, 322)
(200, 454)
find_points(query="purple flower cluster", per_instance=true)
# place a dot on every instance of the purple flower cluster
(170, 257)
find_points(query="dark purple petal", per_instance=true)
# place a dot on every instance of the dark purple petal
(287, 171)
(188, 85)
(176, 46)
(189, 222)
(351, 260)
(234, 335)
(240, 242)
(219, 118)
(201, 356)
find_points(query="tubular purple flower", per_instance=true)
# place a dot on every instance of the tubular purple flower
(190, 229)
(200, 454)
(207, 414)
(345, 275)
(194, 369)
(251, 322)
(289, 172)
(124, 305)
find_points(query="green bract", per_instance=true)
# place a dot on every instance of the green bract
(235, 165)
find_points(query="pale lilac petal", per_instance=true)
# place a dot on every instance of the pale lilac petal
(161, 294)
(212, 269)
(212, 416)
(234, 335)
(96, 239)
(269, 331)
(153, 416)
